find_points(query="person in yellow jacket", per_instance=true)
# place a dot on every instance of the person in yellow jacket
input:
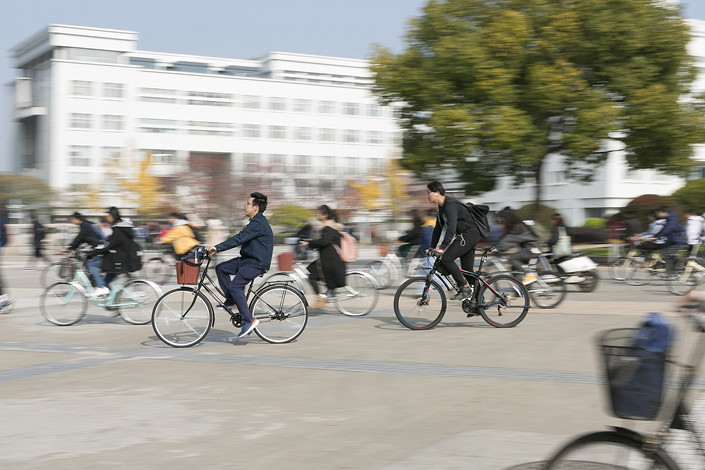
(181, 236)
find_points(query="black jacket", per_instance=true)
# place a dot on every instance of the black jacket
(455, 215)
(119, 251)
(329, 262)
(86, 234)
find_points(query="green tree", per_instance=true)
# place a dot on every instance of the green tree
(692, 195)
(33, 192)
(291, 216)
(490, 88)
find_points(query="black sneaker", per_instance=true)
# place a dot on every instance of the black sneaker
(463, 293)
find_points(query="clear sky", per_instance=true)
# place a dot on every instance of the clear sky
(240, 29)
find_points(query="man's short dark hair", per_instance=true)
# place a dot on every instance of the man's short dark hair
(259, 200)
(76, 215)
(436, 187)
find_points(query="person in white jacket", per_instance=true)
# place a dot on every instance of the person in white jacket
(694, 228)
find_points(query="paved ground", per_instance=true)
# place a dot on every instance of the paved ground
(350, 393)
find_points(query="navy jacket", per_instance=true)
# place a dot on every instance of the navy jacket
(87, 234)
(672, 232)
(256, 241)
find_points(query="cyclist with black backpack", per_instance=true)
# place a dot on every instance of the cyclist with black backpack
(457, 232)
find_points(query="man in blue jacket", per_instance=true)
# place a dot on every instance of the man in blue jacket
(671, 236)
(257, 245)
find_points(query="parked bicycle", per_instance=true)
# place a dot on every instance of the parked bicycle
(622, 448)
(66, 302)
(500, 299)
(183, 316)
(358, 297)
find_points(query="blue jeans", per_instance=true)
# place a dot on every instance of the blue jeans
(93, 266)
(235, 289)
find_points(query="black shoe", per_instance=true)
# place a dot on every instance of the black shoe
(463, 293)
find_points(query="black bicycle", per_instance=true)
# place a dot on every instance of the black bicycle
(183, 317)
(501, 300)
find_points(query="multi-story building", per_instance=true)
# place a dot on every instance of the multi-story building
(90, 106)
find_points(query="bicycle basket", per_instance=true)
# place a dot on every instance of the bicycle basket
(187, 273)
(635, 375)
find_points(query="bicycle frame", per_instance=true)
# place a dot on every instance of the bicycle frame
(83, 284)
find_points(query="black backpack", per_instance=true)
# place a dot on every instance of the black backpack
(478, 212)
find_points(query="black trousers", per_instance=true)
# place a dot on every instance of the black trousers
(463, 248)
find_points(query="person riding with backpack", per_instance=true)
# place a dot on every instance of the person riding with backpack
(460, 235)
(91, 235)
(329, 266)
(517, 235)
(120, 252)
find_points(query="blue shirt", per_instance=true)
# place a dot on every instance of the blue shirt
(256, 241)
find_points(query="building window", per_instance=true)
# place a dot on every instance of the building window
(302, 163)
(161, 156)
(374, 110)
(351, 136)
(251, 161)
(326, 107)
(80, 121)
(326, 135)
(112, 156)
(374, 137)
(112, 122)
(81, 88)
(79, 182)
(277, 163)
(92, 55)
(112, 90)
(250, 130)
(327, 165)
(351, 109)
(80, 155)
(277, 103)
(302, 133)
(277, 132)
(158, 95)
(158, 126)
(302, 105)
(250, 102)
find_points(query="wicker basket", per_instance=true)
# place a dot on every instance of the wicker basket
(187, 273)
(635, 376)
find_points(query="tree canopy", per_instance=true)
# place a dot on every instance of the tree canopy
(33, 192)
(490, 88)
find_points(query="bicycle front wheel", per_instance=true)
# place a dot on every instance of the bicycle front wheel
(547, 294)
(638, 271)
(359, 296)
(282, 313)
(504, 301)
(610, 450)
(63, 303)
(158, 270)
(619, 268)
(687, 279)
(55, 272)
(382, 272)
(182, 317)
(420, 304)
(135, 300)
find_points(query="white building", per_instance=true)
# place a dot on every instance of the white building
(89, 106)
(614, 185)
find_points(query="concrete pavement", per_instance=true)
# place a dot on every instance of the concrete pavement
(350, 393)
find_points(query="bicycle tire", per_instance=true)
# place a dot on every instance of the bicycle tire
(617, 268)
(415, 312)
(592, 279)
(382, 272)
(638, 272)
(158, 270)
(685, 280)
(508, 306)
(282, 312)
(547, 294)
(135, 301)
(285, 277)
(63, 303)
(175, 329)
(359, 296)
(610, 450)
(55, 272)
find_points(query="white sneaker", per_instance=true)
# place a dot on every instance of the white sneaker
(99, 292)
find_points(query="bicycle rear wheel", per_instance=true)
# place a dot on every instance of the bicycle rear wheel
(618, 268)
(182, 317)
(63, 303)
(135, 300)
(282, 313)
(504, 302)
(547, 294)
(286, 278)
(610, 450)
(638, 271)
(417, 310)
(359, 296)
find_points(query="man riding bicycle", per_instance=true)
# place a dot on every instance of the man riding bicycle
(460, 235)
